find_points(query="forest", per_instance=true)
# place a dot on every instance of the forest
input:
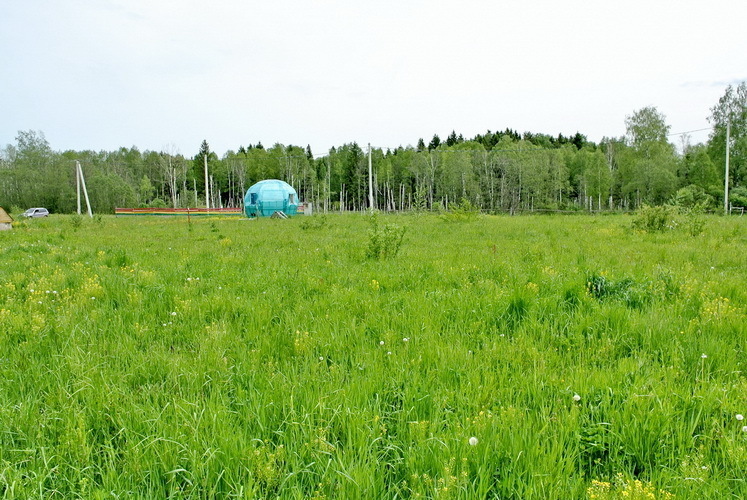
(501, 171)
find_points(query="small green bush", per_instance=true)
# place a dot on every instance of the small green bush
(462, 211)
(76, 220)
(656, 218)
(693, 196)
(384, 241)
(314, 222)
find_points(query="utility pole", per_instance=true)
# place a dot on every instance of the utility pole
(726, 176)
(370, 180)
(207, 186)
(82, 181)
(77, 182)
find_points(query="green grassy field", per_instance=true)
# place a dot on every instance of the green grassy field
(154, 358)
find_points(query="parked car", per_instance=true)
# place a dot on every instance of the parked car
(36, 212)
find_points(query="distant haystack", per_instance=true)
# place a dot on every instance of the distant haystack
(6, 221)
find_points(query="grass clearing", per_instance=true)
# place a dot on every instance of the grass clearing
(152, 357)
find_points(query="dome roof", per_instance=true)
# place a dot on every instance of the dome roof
(270, 196)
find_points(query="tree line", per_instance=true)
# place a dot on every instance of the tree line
(495, 171)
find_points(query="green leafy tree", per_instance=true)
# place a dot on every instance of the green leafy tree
(732, 108)
(146, 191)
(650, 164)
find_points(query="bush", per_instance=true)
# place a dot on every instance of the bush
(692, 196)
(657, 218)
(738, 196)
(313, 222)
(462, 211)
(384, 241)
(76, 220)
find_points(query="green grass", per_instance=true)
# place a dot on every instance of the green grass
(153, 358)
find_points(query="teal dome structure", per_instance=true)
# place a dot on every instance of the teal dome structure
(269, 196)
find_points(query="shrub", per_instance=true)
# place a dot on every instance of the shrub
(314, 222)
(694, 223)
(738, 196)
(76, 220)
(462, 211)
(385, 240)
(656, 218)
(693, 196)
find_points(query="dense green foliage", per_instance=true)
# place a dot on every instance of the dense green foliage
(158, 358)
(495, 171)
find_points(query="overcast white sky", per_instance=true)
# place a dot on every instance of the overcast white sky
(100, 74)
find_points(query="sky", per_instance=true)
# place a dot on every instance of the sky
(164, 75)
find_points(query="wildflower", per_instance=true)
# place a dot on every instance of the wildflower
(739, 417)
(744, 428)
(173, 313)
(381, 342)
(31, 290)
(164, 324)
(703, 356)
(406, 339)
(576, 397)
(321, 358)
(189, 279)
(93, 298)
(389, 353)
(473, 441)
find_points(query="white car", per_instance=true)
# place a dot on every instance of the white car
(36, 212)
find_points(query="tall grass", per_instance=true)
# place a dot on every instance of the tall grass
(260, 359)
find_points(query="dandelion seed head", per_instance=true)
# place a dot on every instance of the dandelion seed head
(473, 441)
(704, 356)
(576, 397)
(744, 428)
(739, 417)
(381, 342)
(173, 313)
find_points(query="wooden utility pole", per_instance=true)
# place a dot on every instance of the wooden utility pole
(370, 180)
(726, 176)
(207, 185)
(77, 182)
(82, 181)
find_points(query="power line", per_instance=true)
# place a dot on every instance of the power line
(689, 131)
